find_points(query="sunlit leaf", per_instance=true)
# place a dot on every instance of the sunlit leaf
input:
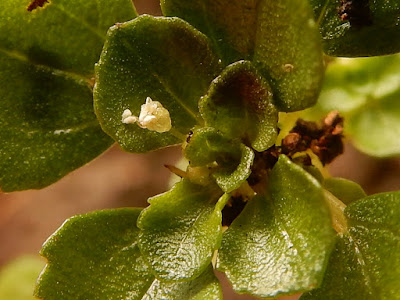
(95, 256)
(366, 261)
(206, 286)
(281, 242)
(180, 230)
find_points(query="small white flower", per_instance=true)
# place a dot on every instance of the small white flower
(153, 116)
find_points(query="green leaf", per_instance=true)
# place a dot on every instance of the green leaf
(345, 190)
(207, 145)
(47, 124)
(229, 180)
(162, 58)
(280, 243)
(180, 230)
(65, 35)
(206, 286)
(315, 172)
(17, 278)
(248, 29)
(233, 159)
(366, 261)
(239, 104)
(366, 91)
(376, 127)
(369, 27)
(292, 59)
(95, 256)
(231, 25)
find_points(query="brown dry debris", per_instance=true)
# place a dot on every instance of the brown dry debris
(325, 140)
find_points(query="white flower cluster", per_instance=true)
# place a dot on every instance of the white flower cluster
(153, 116)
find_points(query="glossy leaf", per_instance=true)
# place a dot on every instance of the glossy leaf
(180, 230)
(206, 286)
(162, 58)
(95, 256)
(345, 190)
(239, 103)
(47, 124)
(367, 92)
(291, 60)
(359, 28)
(280, 243)
(366, 261)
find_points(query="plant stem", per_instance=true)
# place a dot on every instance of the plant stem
(337, 208)
(177, 134)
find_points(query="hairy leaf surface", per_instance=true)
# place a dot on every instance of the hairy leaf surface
(47, 56)
(162, 58)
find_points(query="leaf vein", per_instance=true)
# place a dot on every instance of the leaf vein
(181, 103)
(80, 21)
(58, 131)
(14, 54)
